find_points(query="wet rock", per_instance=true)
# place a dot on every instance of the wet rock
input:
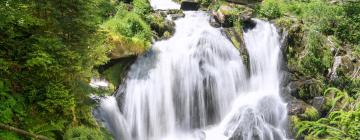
(213, 21)
(173, 13)
(296, 107)
(190, 4)
(305, 89)
(246, 13)
(235, 35)
(248, 25)
(163, 28)
(177, 16)
(225, 15)
(228, 14)
(345, 62)
(318, 103)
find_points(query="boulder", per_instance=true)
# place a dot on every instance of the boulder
(213, 21)
(296, 107)
(225, 15)
(124, 47)
(228, 14)
(177, 16)
(319, 104)
(173, 13)
(168, 29)
(305, 89)
(190, 4)
(162, 26)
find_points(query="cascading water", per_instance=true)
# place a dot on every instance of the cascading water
(194, 86)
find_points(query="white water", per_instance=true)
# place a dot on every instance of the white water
(194, 86)
(98, 82)
(164, 4)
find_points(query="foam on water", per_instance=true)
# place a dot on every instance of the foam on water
(164, 4)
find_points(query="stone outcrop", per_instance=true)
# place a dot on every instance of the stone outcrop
(227, 14)
(162, 27)
(190, 4)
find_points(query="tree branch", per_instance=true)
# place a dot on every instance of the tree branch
(22, 132)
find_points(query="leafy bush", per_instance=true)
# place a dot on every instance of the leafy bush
(349, 28)
(317, 58)
(343, 121)
(270, 9)
(83, 133)
(142, 7)
(128, 24)
(311, 114)
(316, 27)
(47, 49)
(338, 125)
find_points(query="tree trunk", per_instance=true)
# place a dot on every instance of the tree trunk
(22, 132)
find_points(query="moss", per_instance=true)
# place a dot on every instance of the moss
(115, 73)
(167, 34)
(311, 114)
(84, 133)
(123, 46)
(309, 89)
(293, 121)
(162, 28)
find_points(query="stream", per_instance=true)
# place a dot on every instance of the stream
(195, 86)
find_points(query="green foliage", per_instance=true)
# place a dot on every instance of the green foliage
(83, 133)
(128, 24)
(349, 28)
(7, 103)
(338, 125)
(9, 136)
(141, 7)
(270, 9)
(113, 74)
(318, 58)
(47, 49)
(127, 32)
(342, 122)
(316, 27)
(311, 113)
(205, 3)
(338, 100)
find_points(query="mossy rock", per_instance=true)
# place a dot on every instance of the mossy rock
(123, 46)
(235, 35)
(160, 25)
(229, 15)
(311, 114)
(306, 89)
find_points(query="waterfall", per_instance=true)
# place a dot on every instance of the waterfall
(194, 86)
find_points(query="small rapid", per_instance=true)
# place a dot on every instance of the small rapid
(194, 86)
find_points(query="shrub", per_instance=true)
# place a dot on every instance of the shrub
(311, 114)
(338, 125)
(128, 26)
(83, 133)
(349, 28)
(270, 9)
(142, 7)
